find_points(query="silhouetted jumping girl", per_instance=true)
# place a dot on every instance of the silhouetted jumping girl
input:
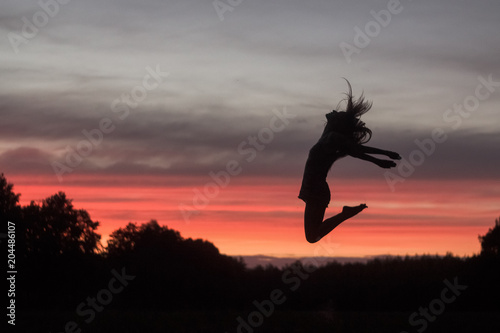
(344, 134)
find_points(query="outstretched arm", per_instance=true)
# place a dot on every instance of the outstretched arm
(359, 151)
(386, 164)
(372, 150)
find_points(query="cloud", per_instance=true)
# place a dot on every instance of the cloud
(25, 160)
(160, 142)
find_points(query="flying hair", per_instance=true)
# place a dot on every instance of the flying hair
(355, 108)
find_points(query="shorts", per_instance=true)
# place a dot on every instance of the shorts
(318, 193)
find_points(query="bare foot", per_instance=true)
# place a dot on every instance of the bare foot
(349, 212)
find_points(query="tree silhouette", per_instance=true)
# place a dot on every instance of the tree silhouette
(152, 244)
(490, 242)
(173, 272)
(149, 237)
(55, 228)
(9, 208)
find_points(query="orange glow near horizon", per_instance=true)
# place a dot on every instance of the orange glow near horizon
(264, 216)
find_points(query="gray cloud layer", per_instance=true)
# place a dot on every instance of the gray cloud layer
(195, 143)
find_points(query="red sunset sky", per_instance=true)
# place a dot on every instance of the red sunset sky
(252, 217)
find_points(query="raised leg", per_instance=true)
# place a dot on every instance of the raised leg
(314, 226)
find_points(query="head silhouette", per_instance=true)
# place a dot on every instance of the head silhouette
(348, 122)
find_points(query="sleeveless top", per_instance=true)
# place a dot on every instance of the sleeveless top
(321, 157)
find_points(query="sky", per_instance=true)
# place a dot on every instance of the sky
(200, 114)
